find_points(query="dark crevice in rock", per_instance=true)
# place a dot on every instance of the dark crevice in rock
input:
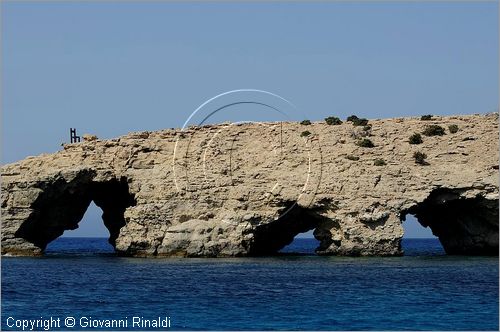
(113, 198)
(62, 205)
(464, 226)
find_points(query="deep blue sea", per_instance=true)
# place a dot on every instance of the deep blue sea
(423, 290)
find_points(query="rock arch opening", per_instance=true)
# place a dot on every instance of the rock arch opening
(413, 229)
(464, 224)
(62, 205)
(272, 237)
(91, 236)
(91, 225)
(302, 244)
(418, 240)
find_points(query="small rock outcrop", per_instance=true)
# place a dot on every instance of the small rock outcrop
(248, 189)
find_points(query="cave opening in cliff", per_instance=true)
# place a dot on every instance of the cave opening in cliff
(293, 232)
(63, 207)
(463, 225)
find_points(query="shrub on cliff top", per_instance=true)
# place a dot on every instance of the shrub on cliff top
(433, 130)
(420, 158)
(426, 117)
(365, 143)
(360, 122)
(305, 122)
(351, 118)
(453, 128)
(415, 139)
(333, 120)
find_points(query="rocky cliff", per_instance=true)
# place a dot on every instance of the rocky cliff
(248, 189)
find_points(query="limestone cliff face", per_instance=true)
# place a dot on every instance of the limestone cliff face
(239, 190)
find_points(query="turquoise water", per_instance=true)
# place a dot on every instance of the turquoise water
(424, 290)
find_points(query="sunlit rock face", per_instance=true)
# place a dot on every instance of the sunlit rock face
(248, 189)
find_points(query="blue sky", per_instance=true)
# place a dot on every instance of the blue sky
(109, 68)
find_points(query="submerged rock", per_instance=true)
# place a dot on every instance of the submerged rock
(246, 190)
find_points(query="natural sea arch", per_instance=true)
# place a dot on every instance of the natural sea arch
(62, 205)
(463, 226)
(467, 226)
(459, 224)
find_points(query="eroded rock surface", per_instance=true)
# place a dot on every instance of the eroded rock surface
(248, 189)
